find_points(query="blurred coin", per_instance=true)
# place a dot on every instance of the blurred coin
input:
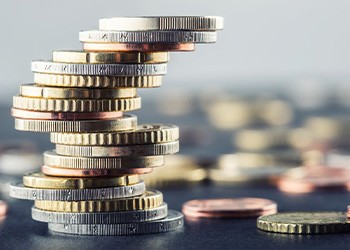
(311, 179)
(274, 111)
(348, 213)
(3, 208)
(229, 208)
(338, 158)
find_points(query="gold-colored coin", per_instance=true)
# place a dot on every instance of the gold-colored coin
(305, 223)
(31, 90)
(109, 57)
(76, 105)
(39, 180)
(98, 81)
(151, 199)
(144, 134)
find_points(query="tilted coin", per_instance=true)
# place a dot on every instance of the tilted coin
(127, 122)
(31, 90)
(99, 69)
(144, 134)
(150, 199)
(51, 158)
(111, 151)
(109, 57)
(101, 217)
(101, 36)
(76, 105)
(305, 223)
(98, 81)
(162, 23)
(39, 180)
(141, 47)
(19, 191)
(173, 221)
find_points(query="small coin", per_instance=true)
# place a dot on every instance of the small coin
(3, 208)
(162, 23)
(109, 57)
(127, 122)
(99, 69)
(51, 158)
(150, 199)
(173, 221)
(311, 179)
(144, 134)
(142, 47)
(17, 190)
(74, 172)
(76, 105)
(83, 81)
(115, 151)
(305, 223)
(101, 217)
(110, 36)
(31, 90)
(229, 208)
(39, 180)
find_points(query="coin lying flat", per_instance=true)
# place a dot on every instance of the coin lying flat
(21, 192)
(101, 36)
(162, 23)
(173, 221)
(305, 223)
(141, 47)
(150, 199)
(41, 181)
(229, 208)
(101, 217)
(109, 57)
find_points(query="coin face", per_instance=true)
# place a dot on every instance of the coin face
(305, 222)
(240, 207)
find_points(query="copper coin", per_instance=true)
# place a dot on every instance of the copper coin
(142, 47)
(34, 115)
(69, 172)
(311, 179)
(229, 208)
(3, 208)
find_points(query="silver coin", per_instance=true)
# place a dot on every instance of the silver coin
(100, 218)
(99, 36)
(173, 221)
(162, 23)
(99, 69)
(19, 191)
(111, 151)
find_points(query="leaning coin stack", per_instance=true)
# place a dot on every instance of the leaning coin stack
(90, 184)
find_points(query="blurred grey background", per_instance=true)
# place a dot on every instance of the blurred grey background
(264, 43)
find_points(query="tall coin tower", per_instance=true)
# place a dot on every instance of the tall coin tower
(90, 184)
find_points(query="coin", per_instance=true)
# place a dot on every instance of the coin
(143, 134)
(39, 180)
(127, 122)
(98, 81)
(348, 213)
(17, 161)
(76, 105)
(142, 47)
(110, 36)
(162, 23)
(31, 90)
(39, 115)
(315, 178)
(111, 151)
(17, 190)
(338, 158)
(99, 69)
(305, 223)
(3, 208)
(74, 172)
(101, 217)
(229, 208)
(150, 199)
(109, 57)
(173, 221)
(51, 158)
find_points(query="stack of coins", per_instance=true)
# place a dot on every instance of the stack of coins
(91, 183)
